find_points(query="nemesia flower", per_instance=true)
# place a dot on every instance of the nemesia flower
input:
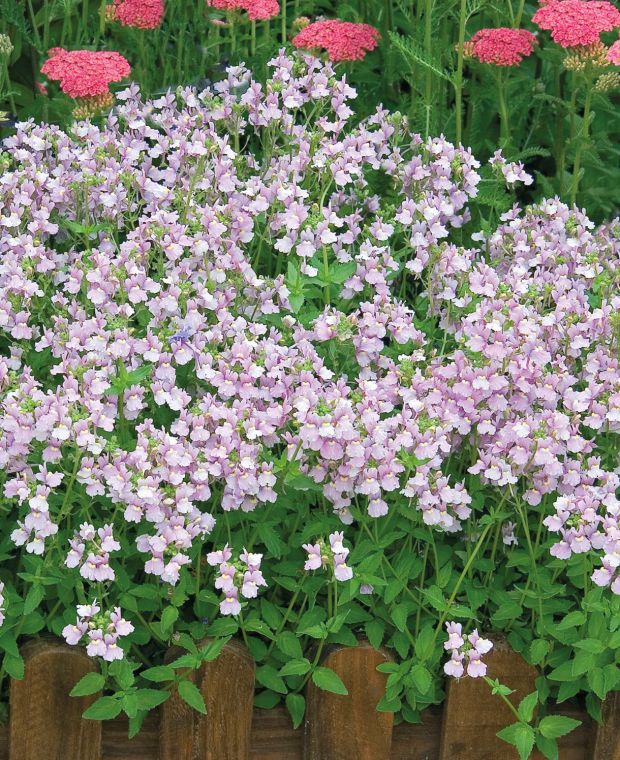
(510, 171)
(502, 47)
(577, 22)
(335, 554)
(343, 40)
(473, 647)
(141, 14)
(242, 576)
(101, 629)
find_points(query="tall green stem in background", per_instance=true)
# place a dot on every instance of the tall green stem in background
(458, 86)
(283, 19)
(584, 134)
(503, 111)
(428, 41)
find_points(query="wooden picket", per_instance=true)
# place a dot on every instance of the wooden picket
(46, 724)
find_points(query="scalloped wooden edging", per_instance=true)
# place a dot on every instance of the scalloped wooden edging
(45, 722)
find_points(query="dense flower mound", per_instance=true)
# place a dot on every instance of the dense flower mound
(613, 54)
(257, 10)
(577, 22)
(141, 14)
(163, 367)
(343, 40)
(85, 73)
(503, 46)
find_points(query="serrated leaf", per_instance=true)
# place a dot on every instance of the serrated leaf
(554, 726)
(296, 705)
(190, 694)
(328, 680)
(104, 708)
(88, 684)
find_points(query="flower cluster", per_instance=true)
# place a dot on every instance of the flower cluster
(333, 555)
(97, 546)
(577, 22)
(141, 14)
(102, 630)
(613, 53)
(473, 647)
(243, 576)
(502, 47)
(257, 10)
(343, 40)
(164, 366)
(85, 73)
(511, 172)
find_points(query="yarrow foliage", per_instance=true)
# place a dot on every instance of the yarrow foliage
(343, 40)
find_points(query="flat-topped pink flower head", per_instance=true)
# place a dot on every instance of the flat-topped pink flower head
(502, 46)
(577, 22)
(343, 40)
(85, 73)
(140, 14)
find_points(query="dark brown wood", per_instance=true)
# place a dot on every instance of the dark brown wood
(45, 722)
(227, 686)
(606, 737)
(273, 738)
(472, 715)
(339, 727)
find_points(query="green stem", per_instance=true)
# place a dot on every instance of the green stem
(585, 134)
(283, 29)
(428, 42)
(458, 86)
(503, 111)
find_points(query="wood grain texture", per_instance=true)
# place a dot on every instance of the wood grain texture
(45, 723)
(273, 738)
(339, 727)
(605, 743)
(227, 686)
(472, 715)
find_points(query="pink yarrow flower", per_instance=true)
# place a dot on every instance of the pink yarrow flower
(257, 10)
(140, 14)
(343, 40)
(574, 23)
(85, 73)
(502, 46)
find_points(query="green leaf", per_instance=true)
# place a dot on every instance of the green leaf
(539, 649)
(326, 679)
(554, 726)
(296, 705)
(190, 693)
(289, 644)
(104, 708)
(295, 667)
(548, 747)
(421, 678)
(168, 618)
(88, 684)
(400, 613)
(269, 677)
(374, 631)
(33, 598)
(527, 706)
(159, 673)
(150, 698)
(520, 735)
(213, 649)
(14, 665)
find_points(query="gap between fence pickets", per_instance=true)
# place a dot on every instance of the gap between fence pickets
(46, 724)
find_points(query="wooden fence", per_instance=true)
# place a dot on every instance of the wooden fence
(46, 724)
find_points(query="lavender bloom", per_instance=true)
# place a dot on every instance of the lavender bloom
(472, 647)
